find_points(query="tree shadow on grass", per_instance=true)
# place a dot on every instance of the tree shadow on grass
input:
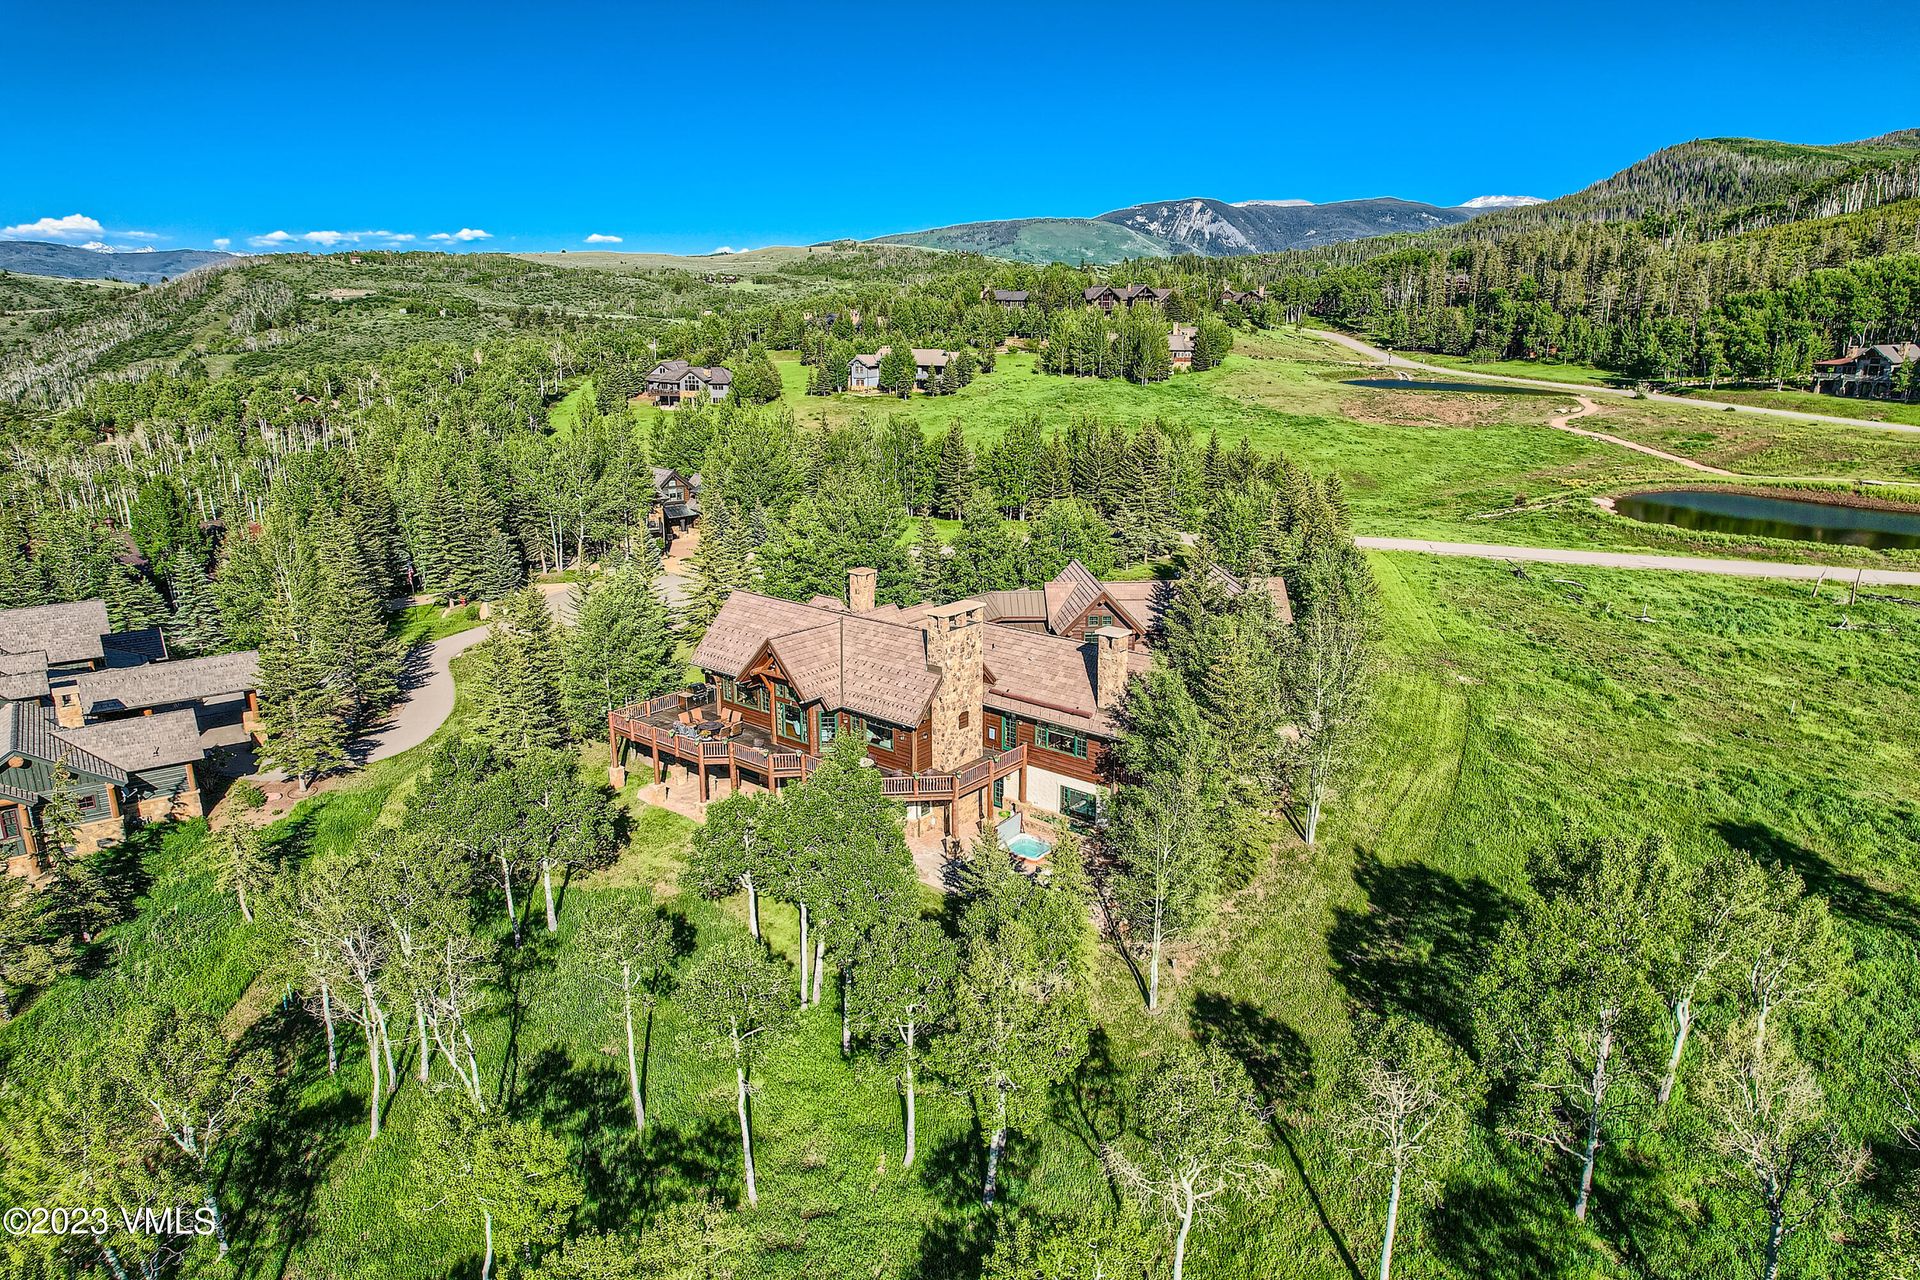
(516, 968)
(1850, 895)
(269, 1183)
(1419, 944)
(1507, 1223)
(629, 1176)
(1090, 1104)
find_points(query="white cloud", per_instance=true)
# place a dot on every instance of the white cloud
(400, 238)
(98, 246)
(463, 234)
(222, 243)
(139, 235)
(270, 239)
(145, 248)
(597, 238)
(725, 248)
(329, 238)
(74, 224)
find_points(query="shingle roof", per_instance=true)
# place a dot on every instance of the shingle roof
(673, 370)
(1026, 604)
(1069, 593)
(160, 684)
(29, 729)
(1008, 295)
(64, 632)
(138, 743)
(1049, 678)
(23, 676)
(1143, 602)
(857, 663)
(745, 622)
(131, 648)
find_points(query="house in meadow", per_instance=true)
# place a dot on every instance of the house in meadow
(673, 382)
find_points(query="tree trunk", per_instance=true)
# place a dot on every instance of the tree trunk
(1153, 979)
(746, 1133)
(373, 1072)
(1393, 1222)
(1313, 803)
(326, 1016)
(246, 912)
(513, 916)
(426, 1046)
(846, 1011)
(212, 1207)
(753, 905)
(1180, 1241)
(113, 1262)
(386, 1051)
(1776, 1240)
(995, 1146)
(803, 955)
(907, 1162)
(819, 963)
(546, 883)
(1597, 1094)
(633, 1064)
(1682, 1023)
(486, 1267)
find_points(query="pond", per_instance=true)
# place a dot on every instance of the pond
(1478, 388)
(1719, 511)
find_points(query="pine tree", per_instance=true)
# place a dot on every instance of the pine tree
(929, 561)
(516, 688)
(619, 650)
(303, 717)
(953, 472)
(132, 601)
(195, 627)
(501, 573)
(348, 629)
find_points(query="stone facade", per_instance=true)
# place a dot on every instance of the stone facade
(955, 635)
(1110, 673)
(861, 584)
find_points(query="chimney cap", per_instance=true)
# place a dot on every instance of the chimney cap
(958, 609)
(861, 571)
(1114, 633)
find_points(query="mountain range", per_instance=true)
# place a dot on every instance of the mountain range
(1198, 225)
(76, 262)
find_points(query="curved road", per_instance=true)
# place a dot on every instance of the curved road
(1644, 560)
(1378, 356)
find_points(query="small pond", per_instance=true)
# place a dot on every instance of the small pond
(1718, 511)
(1478, 388)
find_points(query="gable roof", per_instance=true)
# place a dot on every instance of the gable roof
(29, 729)
(853, 662)
(64, 632)
(138, 743)
(673, 370)
(23, 675)
(1050, 678)
(158, 684)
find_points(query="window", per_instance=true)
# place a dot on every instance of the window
(879, 736)
(1079, 806)
(87, 804)
(965, 716)
(829, 727)
(9, 824)
(744, 695)
(1095, 621)
(792, 721)
(1052, 739)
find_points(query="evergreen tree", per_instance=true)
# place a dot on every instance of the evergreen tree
(897, 370)
(196, 627)
(619, 650)
(132, 601)
(929, 561)
(501, 573)
(516, 683)
(304, 718)
(953, 486)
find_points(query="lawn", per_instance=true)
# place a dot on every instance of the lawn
(1540, 370)
(1812, 402)
(1509, 707)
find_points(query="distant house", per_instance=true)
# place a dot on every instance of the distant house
(1230, 296)
(863, 372)
(1011, 299)
(131, 729)
(1109, 296)
(1866, 372)
(1180, 345)
(676, 504)
(671, 382)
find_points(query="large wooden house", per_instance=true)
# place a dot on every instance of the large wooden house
(863, 371)
(673, 382)
(131, 729)
(1006, 701)
(1866, 372)
(1011, 299)
(1108, 297)
(675, 506)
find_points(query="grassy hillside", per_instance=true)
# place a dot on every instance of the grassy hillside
(1040, 240)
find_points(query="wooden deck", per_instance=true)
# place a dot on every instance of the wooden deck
(654, 726)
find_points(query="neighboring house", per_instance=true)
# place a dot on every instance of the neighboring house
(1231, 296)
(676, 503)
(1867, 372)
(1007, 701)
(1109, 296)
(132, 728)
(1180, 345)
(671, 382)
(863, 372)
(1011, 299)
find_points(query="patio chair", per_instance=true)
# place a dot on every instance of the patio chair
(686, 719)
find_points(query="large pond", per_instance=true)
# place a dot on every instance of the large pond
(1719, 511)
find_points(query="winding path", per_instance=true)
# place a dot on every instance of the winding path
(1564, 422)
(1646, 560)
(1378, 356)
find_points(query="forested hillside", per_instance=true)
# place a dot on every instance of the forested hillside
(1711, 260)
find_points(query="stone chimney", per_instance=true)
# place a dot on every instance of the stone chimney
(68, 710)
(956, 649)
(1110, 666)
(860, 589)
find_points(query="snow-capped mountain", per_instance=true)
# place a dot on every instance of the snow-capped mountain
(1500, 202)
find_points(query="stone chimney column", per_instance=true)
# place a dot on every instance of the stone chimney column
(68, 711)
(861, 584)
(956, 649)
(1110, 666)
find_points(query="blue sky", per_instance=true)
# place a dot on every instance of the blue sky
(684, 128)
